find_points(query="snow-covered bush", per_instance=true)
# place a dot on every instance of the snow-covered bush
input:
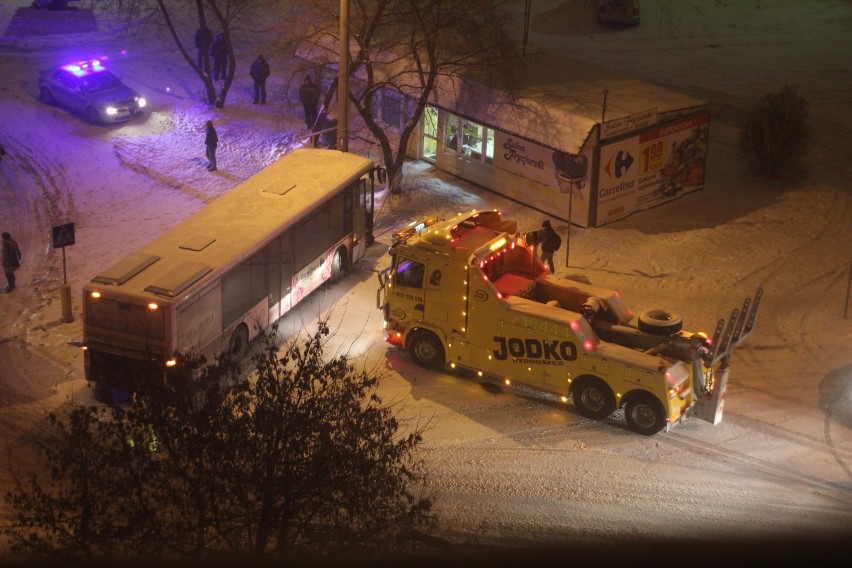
(776, 133)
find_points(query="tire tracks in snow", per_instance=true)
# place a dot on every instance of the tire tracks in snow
(766, 470)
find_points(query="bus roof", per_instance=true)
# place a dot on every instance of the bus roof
(234, 225)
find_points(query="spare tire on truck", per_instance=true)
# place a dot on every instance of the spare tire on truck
(657, 321)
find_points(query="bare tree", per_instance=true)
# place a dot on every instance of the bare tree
(299, 454)
(182, 18)
(406, 49)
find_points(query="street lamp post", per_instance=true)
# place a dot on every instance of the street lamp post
(343, 80)
(570, 183)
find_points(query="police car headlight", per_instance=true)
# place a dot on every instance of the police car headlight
(111, 110)
(141, 102)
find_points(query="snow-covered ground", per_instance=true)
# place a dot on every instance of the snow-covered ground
(508, 467)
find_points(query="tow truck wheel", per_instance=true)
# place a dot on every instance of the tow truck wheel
(46, 97)
(426, 350)
(593, 398)
(660, 322)
(239, 344)
(644, 414)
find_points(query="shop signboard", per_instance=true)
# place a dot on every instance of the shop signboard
(652, 167)
(625, 124)
(542, 177)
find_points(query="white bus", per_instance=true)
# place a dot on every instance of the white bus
(219, 278)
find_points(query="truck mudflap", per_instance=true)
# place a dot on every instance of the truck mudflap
(711, 406)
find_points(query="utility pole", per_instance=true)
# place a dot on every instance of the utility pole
(570, 203)
(343, 80)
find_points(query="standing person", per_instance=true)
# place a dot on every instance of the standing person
(211, 141)
(309, 94)
(203, 38)
(550, 243)
(219, 51)
(11, 259)
(259, 72)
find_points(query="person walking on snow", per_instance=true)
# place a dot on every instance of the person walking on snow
(211, 141)
(259, 72)
(309, 94)
(550, 243)
(11, 260)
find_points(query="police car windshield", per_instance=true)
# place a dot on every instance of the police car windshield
(100, 81)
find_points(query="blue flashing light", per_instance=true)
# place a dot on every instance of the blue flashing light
(83, 68)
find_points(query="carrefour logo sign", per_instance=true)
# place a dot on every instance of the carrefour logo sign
(618, 164)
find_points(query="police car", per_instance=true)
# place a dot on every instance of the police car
(91, 89)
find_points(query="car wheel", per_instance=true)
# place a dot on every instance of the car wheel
(239, 344)
(644, 414)
(593, 398)
(93, 116)
(660, 322)
(46, 97)
(426, 350)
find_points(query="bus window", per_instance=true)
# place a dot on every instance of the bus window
(243, 287)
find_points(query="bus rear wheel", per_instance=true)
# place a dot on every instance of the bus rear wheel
(239, 344)
(644, 414)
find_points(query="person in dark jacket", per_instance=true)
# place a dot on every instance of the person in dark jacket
(219, 52)
(11, 260)
(203, 38)
(259, 72)
(550, 242)
(309, 94)
(211, 141)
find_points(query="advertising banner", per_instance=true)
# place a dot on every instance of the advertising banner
(655, 166)
(543, 178)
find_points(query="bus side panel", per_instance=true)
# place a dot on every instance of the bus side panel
(200, 323)
(360, 218)
(313, 275)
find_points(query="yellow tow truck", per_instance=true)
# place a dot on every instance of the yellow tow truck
(470, 292)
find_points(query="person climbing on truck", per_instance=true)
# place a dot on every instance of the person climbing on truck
(550, 243)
